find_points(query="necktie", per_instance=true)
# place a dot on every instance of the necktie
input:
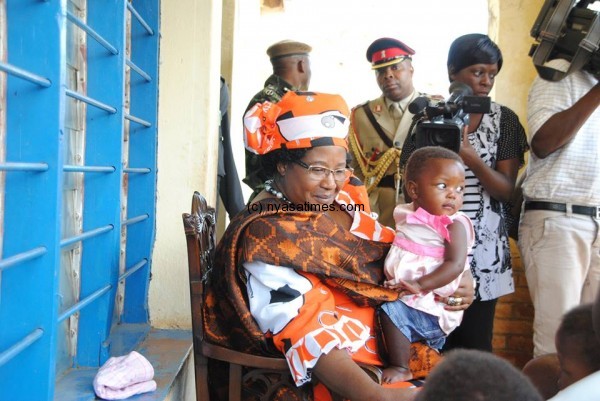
(396, 112)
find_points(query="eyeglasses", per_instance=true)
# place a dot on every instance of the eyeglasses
(318, 173)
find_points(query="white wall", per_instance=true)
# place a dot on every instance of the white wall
(188, 118)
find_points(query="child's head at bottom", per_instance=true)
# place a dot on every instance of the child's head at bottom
(435, 180)
(577, 346)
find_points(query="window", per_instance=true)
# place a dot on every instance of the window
(78, 140)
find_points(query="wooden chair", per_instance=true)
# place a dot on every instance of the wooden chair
(272, 373)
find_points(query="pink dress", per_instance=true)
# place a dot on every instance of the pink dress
(418, 249)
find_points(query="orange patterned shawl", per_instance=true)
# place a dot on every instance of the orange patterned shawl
(306, 241)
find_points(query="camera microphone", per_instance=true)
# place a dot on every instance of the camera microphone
(417, 105)
(458, 90)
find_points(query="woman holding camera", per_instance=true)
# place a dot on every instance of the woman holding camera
(493, 148)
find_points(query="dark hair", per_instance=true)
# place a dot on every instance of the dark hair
(474, 48)
(270, 160)
(478, 376)
(417, 162)
(577, 329)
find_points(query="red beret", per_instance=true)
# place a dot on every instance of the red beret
(387, 51)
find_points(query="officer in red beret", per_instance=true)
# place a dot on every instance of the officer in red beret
(380, 126)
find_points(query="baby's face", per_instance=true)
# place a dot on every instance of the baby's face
(572, 365)
(439, 188)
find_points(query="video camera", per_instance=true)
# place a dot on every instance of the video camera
(442, 123)
(567, 29)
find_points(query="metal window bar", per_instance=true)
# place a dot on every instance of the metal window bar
(22, 257)
(86, 235)
(20, 346)
(26, 75)
(138, 120)
(32, 34)
(137, 69)
(84, 302)
(141, 170)
(97, 294)
(68, 168)
(85, 27)
(141, 151)
(8, 166)
(133, 269)
(134, 220)
(90, 101)
(140, 19)
(45, 32)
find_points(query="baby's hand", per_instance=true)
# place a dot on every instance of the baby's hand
(411, 286)
(397, 286)
(393, 285)
(404, 287)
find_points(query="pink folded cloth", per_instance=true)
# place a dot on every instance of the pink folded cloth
(123, 376)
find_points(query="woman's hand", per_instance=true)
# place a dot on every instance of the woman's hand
(499, 181)
(464, 295)
(467, 152)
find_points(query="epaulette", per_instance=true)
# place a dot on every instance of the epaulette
(271, 94)
(360, 105)
(269, 91)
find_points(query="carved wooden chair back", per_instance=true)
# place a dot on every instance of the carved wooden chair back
(199, 226)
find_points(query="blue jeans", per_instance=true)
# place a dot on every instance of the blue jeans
(416, 325)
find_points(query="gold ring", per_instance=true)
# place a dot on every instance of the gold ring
(458, 301)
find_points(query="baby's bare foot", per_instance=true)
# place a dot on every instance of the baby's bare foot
(393, 374)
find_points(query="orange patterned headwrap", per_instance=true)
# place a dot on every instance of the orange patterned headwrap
(298, 120)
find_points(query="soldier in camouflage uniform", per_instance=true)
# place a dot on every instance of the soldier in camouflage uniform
(291, 72)
(379, 127)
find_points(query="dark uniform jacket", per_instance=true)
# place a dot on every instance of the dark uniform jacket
(228, 182)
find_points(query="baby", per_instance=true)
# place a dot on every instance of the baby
(428, 257)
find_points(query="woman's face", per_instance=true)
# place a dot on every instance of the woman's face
(300, 186)
(439, 187)
(480, 77)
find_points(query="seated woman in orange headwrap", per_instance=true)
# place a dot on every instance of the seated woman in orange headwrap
(298, 274)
